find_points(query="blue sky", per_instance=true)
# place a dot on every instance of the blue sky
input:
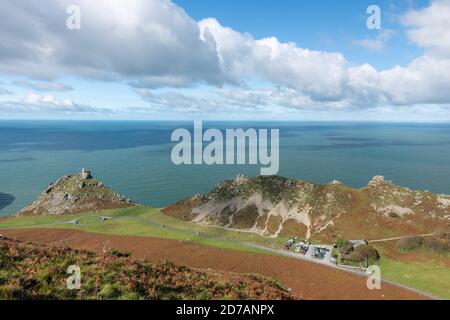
(214, 59)
(320, 25)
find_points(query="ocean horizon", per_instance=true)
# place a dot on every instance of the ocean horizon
(134, 157)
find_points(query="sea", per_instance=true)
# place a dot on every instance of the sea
(134, 157)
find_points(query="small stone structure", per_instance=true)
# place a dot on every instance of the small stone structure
(85, 174)
(377, 181)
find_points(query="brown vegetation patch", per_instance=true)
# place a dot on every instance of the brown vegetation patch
(30, 271)
(245, 218)
(273, 224)
(182, 209)
(307, 280)
(261, 221)
(292, 228)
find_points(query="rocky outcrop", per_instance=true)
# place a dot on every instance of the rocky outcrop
(74, 194)
(377, 181)
(274, 206)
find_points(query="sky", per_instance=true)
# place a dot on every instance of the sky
(225, 60)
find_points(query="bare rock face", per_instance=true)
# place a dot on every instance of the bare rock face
(276, 206)
(74, 194)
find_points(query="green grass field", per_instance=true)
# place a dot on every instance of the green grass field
(149, 222)
(429, 277)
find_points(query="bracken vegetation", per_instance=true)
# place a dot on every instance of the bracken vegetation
(29, 271)
(439, 243)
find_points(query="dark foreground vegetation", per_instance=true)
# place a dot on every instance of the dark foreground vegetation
(29, 271)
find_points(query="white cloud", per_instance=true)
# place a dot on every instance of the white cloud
(34, 103)
(424, 81)
(429, 28)
(324, 79)
(213, 102)
(234, 99)
(49, 100)
(150, 44)
(377, 43)
(145, 42)
(316, 73)
(51, 86)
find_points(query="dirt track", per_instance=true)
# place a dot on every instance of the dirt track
(307, 280)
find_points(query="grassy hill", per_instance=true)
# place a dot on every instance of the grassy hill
(277, 206)
(73, 194)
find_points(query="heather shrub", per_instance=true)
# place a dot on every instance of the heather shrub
(436, 245)
(364, 252)
(411, 243)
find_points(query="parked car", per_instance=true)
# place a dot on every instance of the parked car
(319, 252)
(289, 243)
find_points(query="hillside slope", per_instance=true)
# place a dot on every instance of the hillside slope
(31, 271)
(307, 280)
(274, 206)
(74, 194)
